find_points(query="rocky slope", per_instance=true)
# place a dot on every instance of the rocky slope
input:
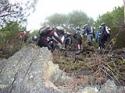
(31, 70)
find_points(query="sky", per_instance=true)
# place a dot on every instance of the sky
(93, 8)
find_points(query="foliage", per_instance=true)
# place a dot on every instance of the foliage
(120, 40)
(115, 20)
(79, 18)
(15, 12)
(57, 19)
(12, 16)
(8, 31)
(76, 18)
(8, 38)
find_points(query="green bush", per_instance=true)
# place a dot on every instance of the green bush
(9, 43)
(115, 20)
(120, 40)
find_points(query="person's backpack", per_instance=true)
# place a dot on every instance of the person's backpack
(107, 30)
(88, 30)
(43, 33)
(104, 31)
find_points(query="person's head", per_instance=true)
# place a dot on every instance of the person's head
(50, 28)
(103, 24)
(78, 28)
(59, 28)
(85, 26)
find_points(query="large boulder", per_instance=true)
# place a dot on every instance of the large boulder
(31, 71)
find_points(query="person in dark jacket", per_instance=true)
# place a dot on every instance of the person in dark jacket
(105, 35)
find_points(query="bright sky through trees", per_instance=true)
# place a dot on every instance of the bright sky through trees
(92, 8)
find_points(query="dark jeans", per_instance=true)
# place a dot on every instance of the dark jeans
(102, 41)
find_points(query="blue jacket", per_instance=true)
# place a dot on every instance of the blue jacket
(87, 30)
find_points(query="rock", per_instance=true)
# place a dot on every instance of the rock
(89, 90)
(31, 71)
(110, 87)
(2, 64)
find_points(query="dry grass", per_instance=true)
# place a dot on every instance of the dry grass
(100, 66)
(10, 47)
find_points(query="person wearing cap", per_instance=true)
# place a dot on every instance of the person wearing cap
(105, 35)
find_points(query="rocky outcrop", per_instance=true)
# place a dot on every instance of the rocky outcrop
(31, 70)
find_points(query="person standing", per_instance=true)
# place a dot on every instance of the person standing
(105, 35)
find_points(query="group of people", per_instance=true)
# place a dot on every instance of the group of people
(58, 37)
(100, 36)
(50, 38)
